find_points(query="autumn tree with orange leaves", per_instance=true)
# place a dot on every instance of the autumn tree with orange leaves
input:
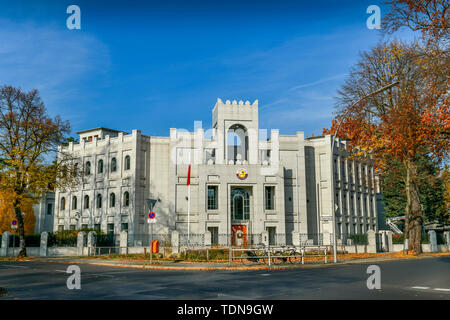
(7, 213)
(29, 165)
(402, 122)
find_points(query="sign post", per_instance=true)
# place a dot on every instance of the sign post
(151, 220)
(14, 226)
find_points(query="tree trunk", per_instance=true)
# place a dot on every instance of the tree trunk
(414, 214)
(20, 222)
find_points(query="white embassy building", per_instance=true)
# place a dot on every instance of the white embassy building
(244, 181)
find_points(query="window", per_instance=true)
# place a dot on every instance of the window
(270, 198)
(124, 227)
(99, 201)
(272, 231)
(88, 168)
(75, 169)
(86, 202)
(60, 227)
(63, 204)
(126, 199)
(100, 166)
(97, 226)
(127, 163)
(74, 203)
(212, 198)
(72, 227)
(113, 165)
(49, 208)
(214, 235)
(110, 228)
(84, 226)
(240, 204)
(112, 200)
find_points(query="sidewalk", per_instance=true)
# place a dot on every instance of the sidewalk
(198, 266)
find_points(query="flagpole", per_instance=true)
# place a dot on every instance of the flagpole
(189, 203)
(189, 207)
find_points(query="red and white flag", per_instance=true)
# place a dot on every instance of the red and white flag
(189, 176)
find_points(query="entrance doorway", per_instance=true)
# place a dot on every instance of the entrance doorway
(239, 235)
(240, 215)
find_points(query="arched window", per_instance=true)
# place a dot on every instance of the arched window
(112, 200)
(113, 165)
(100, 166)
(63, 204)
(86, 202)
(99, 201)
(237, 143)
(88, 168)
(240, 204)
(127, 163)
(74, 203)
(126, 199)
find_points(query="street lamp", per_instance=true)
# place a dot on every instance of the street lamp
(333, 209)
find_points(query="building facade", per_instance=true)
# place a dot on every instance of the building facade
(44, 212)
(244, 181)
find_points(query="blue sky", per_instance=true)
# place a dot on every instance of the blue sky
(152, 65)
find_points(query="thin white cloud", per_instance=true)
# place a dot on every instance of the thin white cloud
(314, 83)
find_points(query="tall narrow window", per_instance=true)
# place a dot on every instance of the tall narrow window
(112, 200)
(74, 203)
(88, 168)
(86, 202)
(99, 201)
(113, 165)
(49, 208)
(100, 166)
(212, 198)
(270, 197)
(126, 199)
(110, 228)
(127, 163)
(63, 203)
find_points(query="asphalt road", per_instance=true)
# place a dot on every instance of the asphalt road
(407, 279)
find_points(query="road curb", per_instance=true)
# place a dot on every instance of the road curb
(231, 268)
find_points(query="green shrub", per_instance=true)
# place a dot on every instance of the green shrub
(31, 240)
(440, 238)
(398, 238)
(358, 238)
(64, 238)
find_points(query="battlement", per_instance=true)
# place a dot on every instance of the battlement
(236, 103)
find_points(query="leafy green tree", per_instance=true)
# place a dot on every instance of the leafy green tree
(431, 189)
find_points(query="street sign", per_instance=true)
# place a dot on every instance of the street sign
(326, 218)
(151, 203)
(151, 217)
(14, 224)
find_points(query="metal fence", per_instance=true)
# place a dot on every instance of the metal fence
(144, 239)
(279, 255)
(351, 239)
(191, 240)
